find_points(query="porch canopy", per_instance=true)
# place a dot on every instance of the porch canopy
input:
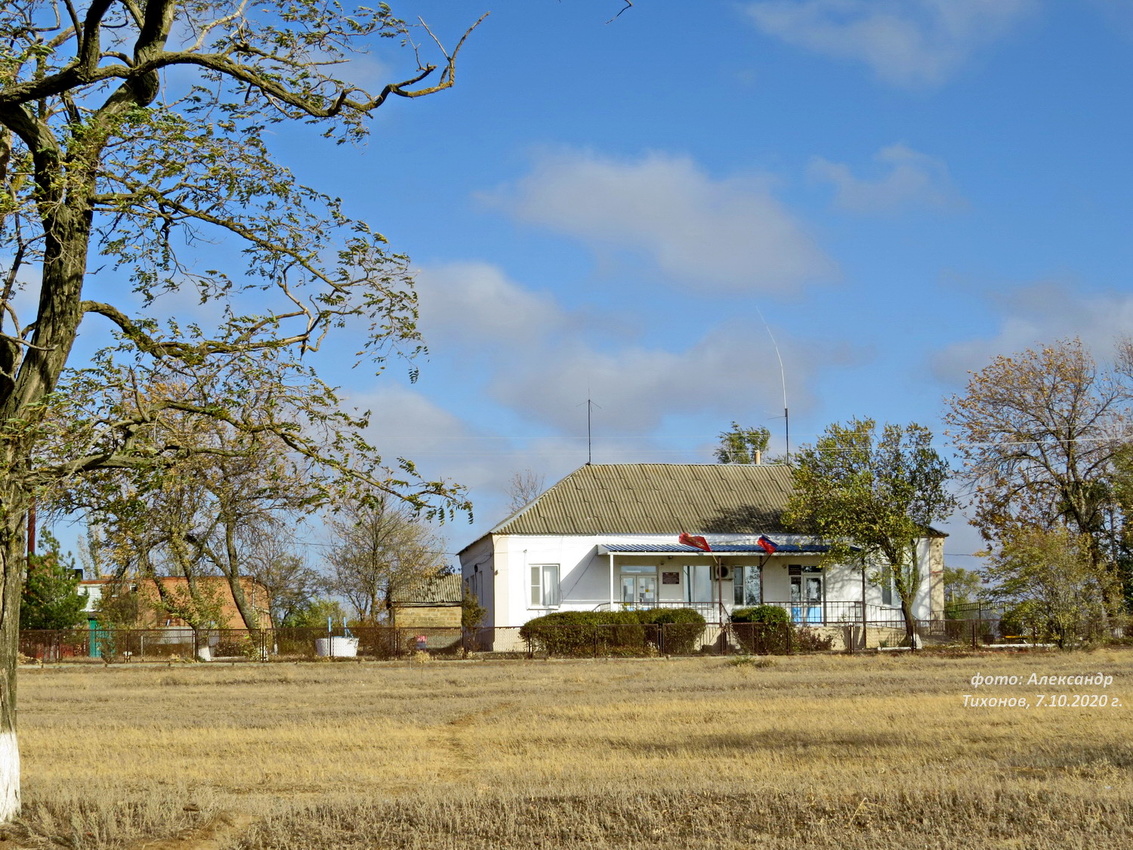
(719, 552)
(717, 549)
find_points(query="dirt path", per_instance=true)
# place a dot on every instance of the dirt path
(213, 834)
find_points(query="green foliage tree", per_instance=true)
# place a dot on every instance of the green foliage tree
(961, 586)
(119, 606)
(742, 445)
(51, 596)
(1122, 540)
(472, 613)
(314, 614)
(1050, 584)
(872, 498)
(98, 159)
(215, 511)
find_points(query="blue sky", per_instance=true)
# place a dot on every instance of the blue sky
(894, 191)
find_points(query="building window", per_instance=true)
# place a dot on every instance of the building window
(544, 586)
(747, 586)
(698, 583)
(888, 594)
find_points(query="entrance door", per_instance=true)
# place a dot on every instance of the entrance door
(806, 595)
(639, 587)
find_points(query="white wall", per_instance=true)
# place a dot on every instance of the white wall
(504, 562)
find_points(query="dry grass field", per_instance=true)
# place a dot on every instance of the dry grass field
(823, 751)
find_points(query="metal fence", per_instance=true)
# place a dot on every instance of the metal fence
(181, 643)
(586, 641)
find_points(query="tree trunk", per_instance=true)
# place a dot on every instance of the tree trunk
(12, 560)
(231, 569)
(910, 624)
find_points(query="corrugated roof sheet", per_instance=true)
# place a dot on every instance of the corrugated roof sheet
(659, 498)
(432, 590)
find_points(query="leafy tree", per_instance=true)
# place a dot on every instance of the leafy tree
(1050, 584)
(1037, 432)
(1122, 540)
(119, 606)
(98, 159)
(961, 586)
(742, 445)
(51, 596)
(291, 584)
(214, 510)
(314, 614)
(380, 548)
(472, 613)
(872, 497)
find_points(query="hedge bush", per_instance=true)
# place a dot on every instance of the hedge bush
(582, 633)
(678, 629)
(585, 633)
(763, 629)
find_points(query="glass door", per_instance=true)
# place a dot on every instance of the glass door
(806, 595)
(639, 587)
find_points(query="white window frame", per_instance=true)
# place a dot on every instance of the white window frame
(889, 596)
(739, 589)
(543, 586)
(698, 580)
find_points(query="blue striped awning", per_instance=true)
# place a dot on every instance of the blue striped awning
(722, 549)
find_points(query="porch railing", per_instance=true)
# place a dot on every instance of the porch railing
(802, 613)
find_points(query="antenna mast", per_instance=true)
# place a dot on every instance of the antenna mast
(589, 434)
(783, 381)
(590, 405)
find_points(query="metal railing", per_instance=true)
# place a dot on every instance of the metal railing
(807, 613)
(182, 643)
(584, 640)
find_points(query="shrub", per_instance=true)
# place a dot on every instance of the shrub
(772, 614)
(582, 633)
(762, 630)
(811, 640)
(677, 629)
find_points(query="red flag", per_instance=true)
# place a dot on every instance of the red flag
(767, 544)
(695, 541)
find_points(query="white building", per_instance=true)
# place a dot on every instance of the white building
(606, 536)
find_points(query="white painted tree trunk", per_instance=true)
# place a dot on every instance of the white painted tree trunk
(12, 564)
(9, 776)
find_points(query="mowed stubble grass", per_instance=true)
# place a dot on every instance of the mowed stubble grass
(818, 751)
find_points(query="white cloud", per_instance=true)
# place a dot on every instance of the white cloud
(906, 42)
(529, 364)
(477, 303)
(405, 423)
(1041, 314)
(728, 235)
(729, 370)
(912, 180)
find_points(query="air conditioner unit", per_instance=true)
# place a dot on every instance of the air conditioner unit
(721, 573)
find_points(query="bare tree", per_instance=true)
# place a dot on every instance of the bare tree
(523, 489)
(1038, 432)
(292, 585)
(380, 549)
